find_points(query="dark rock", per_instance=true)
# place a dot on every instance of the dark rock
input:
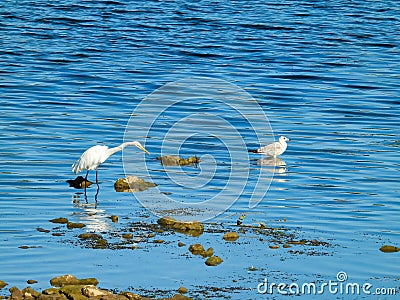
(72, 225)
(31, 281)
(59, 220)
(79, 182)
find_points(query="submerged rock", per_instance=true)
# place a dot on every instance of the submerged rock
(174, 160)
(79, 182)
(192, 228)
(132, 184)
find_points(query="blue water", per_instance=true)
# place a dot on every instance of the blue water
(326, 75)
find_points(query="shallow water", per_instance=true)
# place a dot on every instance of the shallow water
(326, 75)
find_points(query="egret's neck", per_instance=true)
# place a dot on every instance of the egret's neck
(121, 147)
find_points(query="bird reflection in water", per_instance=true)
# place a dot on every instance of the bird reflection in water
(274, 165)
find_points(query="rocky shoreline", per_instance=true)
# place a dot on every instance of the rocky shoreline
(68, 287)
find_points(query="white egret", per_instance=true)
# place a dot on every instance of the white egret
(273, 149)
(96, 155)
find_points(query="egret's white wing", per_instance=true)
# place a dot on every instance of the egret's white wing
(90, 159)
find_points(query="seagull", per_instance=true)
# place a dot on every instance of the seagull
(274, 149)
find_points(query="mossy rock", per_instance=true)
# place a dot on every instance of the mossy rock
(30, 292)
(196, 249)
(72, 280)
(174, 160)
(192, 228)
(213, 261)
(15, 293)
(73, 292)
(132, 184)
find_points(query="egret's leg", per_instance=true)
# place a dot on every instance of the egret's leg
(97, 182)
(87, 173)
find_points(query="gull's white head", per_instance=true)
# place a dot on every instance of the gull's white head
(283, 139)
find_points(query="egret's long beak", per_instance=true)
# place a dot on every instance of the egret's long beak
(143, 149)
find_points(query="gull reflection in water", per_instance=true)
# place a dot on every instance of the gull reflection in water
(278, 166)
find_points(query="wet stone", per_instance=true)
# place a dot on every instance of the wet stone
(132, 184)
(389, 249)
(174, 160)
(2, 284)
(182, 290)
(59, 220)
(73, 292)
(131, 296)
(57, 296)
(31, 281)
(29, 292)
(196, 249)
(230, 236)
(213, 261)
(15, 293)
(72, 225)
(72, 280)
(93, 291)
(193, 228)
(127, 236)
